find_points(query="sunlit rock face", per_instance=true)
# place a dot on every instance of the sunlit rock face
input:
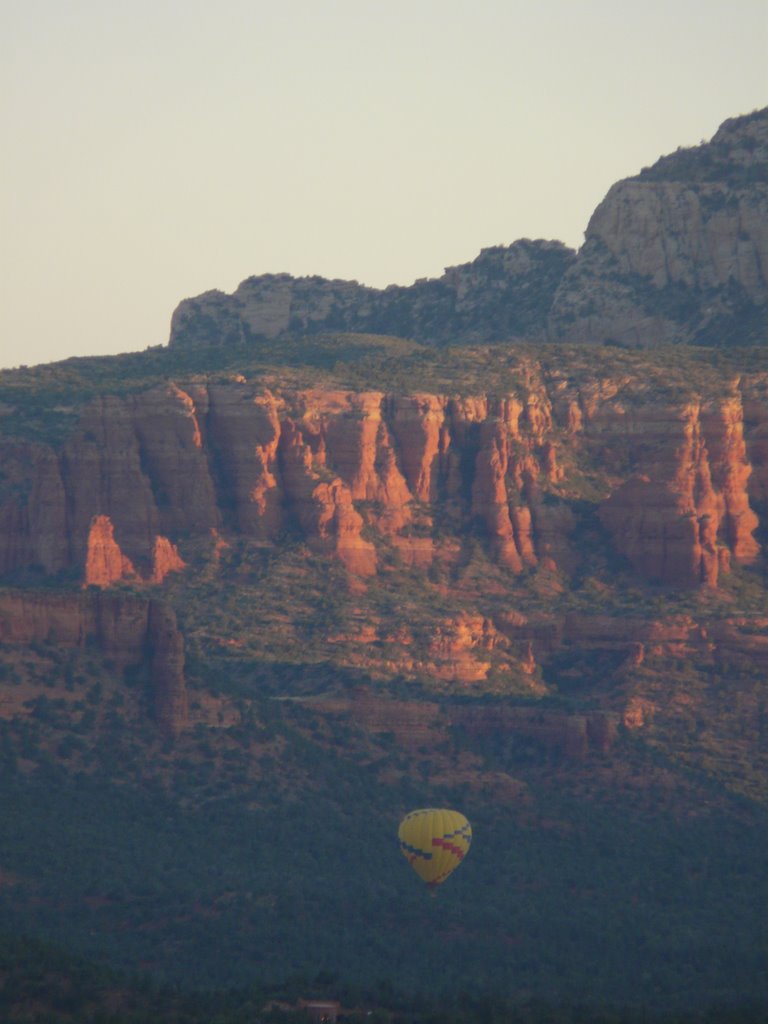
(168, 484)
(682, 519)
(359, 475)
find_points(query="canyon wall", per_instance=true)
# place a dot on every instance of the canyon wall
(365, 475)
(671, 488)
(129, 630)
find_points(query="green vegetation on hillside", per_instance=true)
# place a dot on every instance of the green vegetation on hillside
(44, 402)
(598, 905)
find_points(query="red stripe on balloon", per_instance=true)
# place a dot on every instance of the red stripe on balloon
(455, 850)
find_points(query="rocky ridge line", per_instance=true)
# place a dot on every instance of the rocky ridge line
(678, 253)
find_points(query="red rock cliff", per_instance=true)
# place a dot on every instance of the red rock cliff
(358, 473)
(686, 513)
(129, 630)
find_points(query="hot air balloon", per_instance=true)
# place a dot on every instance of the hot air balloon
(434, 841)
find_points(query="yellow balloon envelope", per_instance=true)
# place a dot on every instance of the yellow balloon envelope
(434, 841)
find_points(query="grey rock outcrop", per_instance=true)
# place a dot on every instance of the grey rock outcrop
(505, 292)
(678, 253)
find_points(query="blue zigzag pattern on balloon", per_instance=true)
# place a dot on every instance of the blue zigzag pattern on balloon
(414, 851)
(465, 832)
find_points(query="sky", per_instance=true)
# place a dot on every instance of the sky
(156, 149)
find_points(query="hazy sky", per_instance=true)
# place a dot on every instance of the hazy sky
(154, 149)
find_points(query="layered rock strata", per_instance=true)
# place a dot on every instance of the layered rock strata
(129, 630)
(572, 736)
(423, 725)
(687, 513)
(634, 640)
(363, 476)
